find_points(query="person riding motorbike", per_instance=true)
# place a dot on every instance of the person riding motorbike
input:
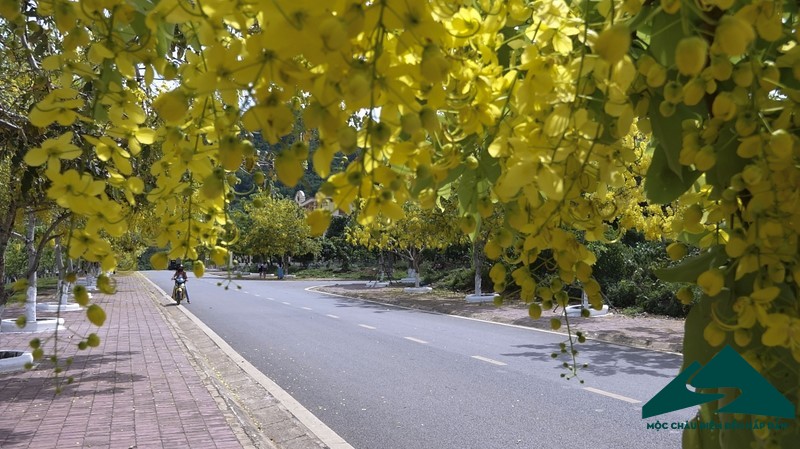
(180, 277)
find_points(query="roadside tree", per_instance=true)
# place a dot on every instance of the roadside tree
(277, 227)
(410, 233)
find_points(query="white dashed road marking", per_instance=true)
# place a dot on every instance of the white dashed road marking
(612, 395)
(287, 303)
(416, 340)
(332, 316)
(307, 308)
(488, 360)
(367, 326)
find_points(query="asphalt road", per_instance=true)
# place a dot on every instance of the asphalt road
(391, 378)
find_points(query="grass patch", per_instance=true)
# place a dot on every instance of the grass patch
(324, 273)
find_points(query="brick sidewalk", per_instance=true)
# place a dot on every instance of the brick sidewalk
(137, 389)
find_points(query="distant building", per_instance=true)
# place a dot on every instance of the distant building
(311, 204)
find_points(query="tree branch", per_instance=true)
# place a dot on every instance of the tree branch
(46, 237)
(13, 124)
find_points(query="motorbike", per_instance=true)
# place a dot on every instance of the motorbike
(179, 292)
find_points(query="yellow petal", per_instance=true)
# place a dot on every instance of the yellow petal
(289, 169)
(36, 157)
(159, 261)
(135, 185)
(319, 220)
(766, 294)
(713, 334)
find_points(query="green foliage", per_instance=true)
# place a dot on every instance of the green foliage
(274, 227)
(459, 279)
(626, 273)
(412, 234)
(17, 260)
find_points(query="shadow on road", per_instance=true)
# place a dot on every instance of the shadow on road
(379, 307)
(608, 360)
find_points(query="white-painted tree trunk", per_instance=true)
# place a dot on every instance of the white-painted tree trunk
(30, 248)
(477, 262)
(415, 262)
(62, 292)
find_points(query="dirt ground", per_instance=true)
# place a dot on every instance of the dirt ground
(644, 331)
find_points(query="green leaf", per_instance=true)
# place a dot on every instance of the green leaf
(661, 184)
(467, 192)
(488, 167)
(728, 162)
(666, 178)
(695, 346)
(690, 268)
(452, 175)
(667, 31)
(164, 38)
(642, 17)
(668, 131)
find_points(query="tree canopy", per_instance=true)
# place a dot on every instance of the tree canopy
(675, 117)
(275, 227)
(413, 231)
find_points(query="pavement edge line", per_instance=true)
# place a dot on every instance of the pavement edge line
(327, 435)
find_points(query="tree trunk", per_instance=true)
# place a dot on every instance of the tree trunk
(62, 291)
(390, 265)
(30, 299)
(477, 263)
(415, 256)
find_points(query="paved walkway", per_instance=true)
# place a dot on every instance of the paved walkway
(150, 384)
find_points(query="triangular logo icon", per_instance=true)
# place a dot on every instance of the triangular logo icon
(726, 370)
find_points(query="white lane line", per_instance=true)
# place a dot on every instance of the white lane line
(307, 308)
(416, 340)
(332, 316)
(287, 303)
(367, 326)
(612, 395)
(488, 360)
(271, 299)
(256, 294)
